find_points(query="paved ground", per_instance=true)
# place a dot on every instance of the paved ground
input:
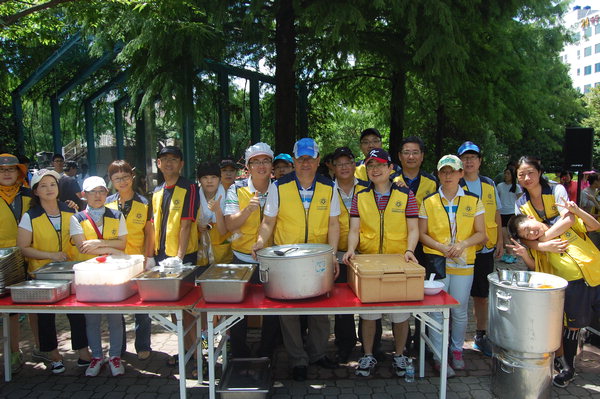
(154, 379)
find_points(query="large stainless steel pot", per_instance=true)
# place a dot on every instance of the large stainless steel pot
(518, 377)
(526, 311)
(296, 271)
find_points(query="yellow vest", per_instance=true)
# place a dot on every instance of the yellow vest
(427, 185)
(438, 224)
(248, 232)
(110, 228)
(295, 224)
(46, 238)
(10, 223)
(488, 199)
(136, 221)
(172, 229)
(580, 260)
(526, 207)
(345, 217)
(383, 232)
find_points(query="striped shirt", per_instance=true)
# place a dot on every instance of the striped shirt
(412, 208)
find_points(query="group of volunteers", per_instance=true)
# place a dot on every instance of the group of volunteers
(453, 225)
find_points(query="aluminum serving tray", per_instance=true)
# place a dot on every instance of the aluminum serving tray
(225, 283)
(57, 271)
(167, 285)
(40, 291)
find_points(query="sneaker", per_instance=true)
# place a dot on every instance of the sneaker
(438, 367)
(116, 366)
(365, 365)
(563, 378)
(16, 362)
(457, 360)
(38, 354)
(94, 368)
(483, 345)
(57, 367)
(560, 364)
(399, 365)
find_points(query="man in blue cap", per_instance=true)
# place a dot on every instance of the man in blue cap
(484, 187)
(310, 215)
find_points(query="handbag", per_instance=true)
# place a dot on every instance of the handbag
(436, 264)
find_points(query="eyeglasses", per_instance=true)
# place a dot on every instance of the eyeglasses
(121, 179)
(465, 158)
(8, 170)
(370, 142)
(378, 165)
(96, 192)
(409, 153)
(343, 164)
(447, 172)
(305, 160)
(264, 162)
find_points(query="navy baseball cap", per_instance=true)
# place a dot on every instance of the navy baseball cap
(380, 155)
(342, 152)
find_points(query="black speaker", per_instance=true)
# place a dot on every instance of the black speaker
(579, 144)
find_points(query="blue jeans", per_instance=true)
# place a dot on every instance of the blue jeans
(142, 332)
(94, 334)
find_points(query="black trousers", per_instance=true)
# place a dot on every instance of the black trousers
(344, 327)
(47, 331)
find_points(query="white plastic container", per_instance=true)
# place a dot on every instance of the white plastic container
(107, 278)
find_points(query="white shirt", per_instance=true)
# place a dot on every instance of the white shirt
(77, 229)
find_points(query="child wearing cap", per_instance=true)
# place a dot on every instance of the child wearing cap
(15, 202)
(99, 230)
(44, 237)
(451, 224)
(210, 214)
(383, 203)
(228, 172)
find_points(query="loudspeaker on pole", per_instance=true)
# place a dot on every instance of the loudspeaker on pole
(578, 148)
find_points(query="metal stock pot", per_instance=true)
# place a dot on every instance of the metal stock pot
(296, 271)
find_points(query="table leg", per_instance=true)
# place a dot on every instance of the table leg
(7, 351)
(444, 354)
(199, 354)
(211, 356)
(423, 328)
(182, 353)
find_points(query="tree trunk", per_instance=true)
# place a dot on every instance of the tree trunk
(397, 106)
(285, 77)
(440, 127)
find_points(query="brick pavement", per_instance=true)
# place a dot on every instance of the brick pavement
(153, 378)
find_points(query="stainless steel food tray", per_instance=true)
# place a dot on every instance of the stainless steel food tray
(40, 291)
(225, 283)
(168, 285)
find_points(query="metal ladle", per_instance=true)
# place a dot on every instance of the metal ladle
(282, 253)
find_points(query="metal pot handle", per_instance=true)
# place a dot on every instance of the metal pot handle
(503, 300)
(504, 364)
(263, 275)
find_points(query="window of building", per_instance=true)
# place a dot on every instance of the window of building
(578, 71)
(596, 84)
(576, 37)
(597, 29)
(587, 88)
(587, 32)
(597, 47)
(587, 70)
(597, 67)
(578, 54)
(587, 51)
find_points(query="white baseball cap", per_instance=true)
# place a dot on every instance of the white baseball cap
(37, 176)
(92, 182)
(258, 149)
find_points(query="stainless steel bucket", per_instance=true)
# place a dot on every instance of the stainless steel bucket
(524, 378)
(526, 311)
(296, 271)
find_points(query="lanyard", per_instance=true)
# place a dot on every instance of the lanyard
(98, 233)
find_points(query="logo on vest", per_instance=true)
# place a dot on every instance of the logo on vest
(176, 202)
(468, 211)
(114, 232)
(322, 204)
(138, 215)
(398, 208)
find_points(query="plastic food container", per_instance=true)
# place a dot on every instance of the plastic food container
(57, 271)
(386, 278)
(166, 285)
(40, 291)
(107, 278)
(246, 379)
(225, 283)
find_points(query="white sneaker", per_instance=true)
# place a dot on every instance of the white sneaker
(399, 365)
(457, 360)
(94, 367)
(366, 364)
(116, 366)
(437, 365)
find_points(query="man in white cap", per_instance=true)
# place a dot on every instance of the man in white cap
(243, 214)
(310, 215)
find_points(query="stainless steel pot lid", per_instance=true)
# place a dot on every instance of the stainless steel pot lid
(57, 267)
(294, 250)
(227, 272)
